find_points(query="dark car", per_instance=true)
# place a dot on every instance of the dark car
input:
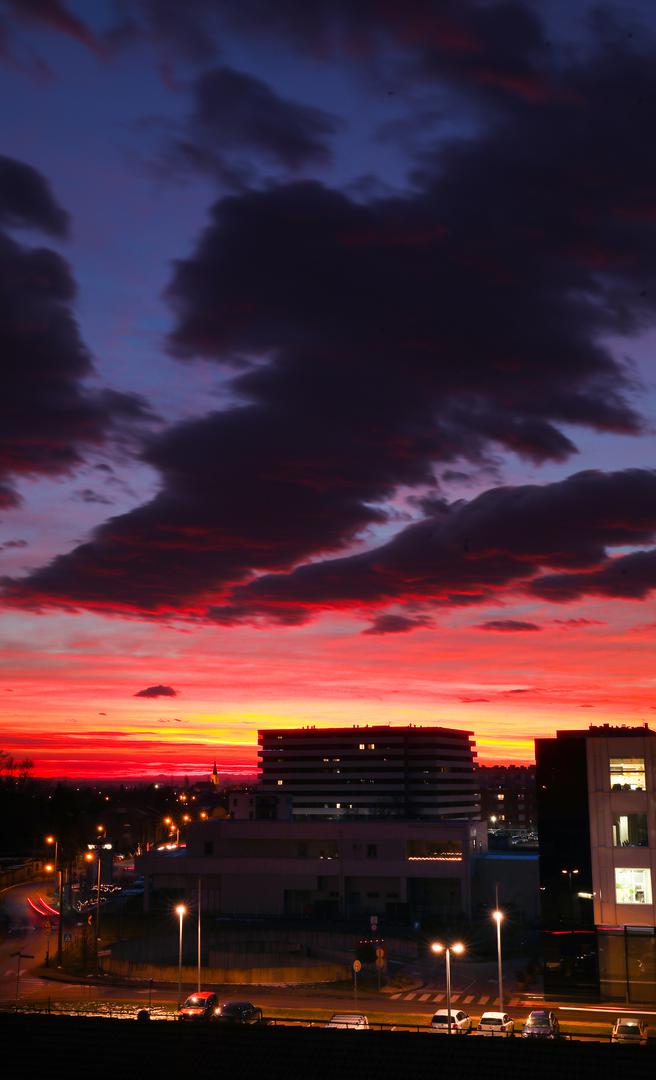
(541, 1024)
(238, 1012)
(199, 1006)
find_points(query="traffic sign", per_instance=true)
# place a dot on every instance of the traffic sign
(380, 953)
(357, 966)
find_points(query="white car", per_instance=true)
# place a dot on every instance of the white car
(496, 1023)
(357, 1021)
(461, 1022)
(628, 1029)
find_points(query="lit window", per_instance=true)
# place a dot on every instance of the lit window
(371, 746)
(361, 746)
(501, 797)
(627, 774)
(632, 886)
(338, 806)
(279, 782)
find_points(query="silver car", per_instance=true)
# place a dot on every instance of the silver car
(461, 1022)
(496, 1023)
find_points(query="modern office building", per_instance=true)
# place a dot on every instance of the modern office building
(508, 796)
(424, 773)
(321, 869)
(596, 798)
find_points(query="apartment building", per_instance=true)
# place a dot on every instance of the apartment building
(420, 773)
(596, 797)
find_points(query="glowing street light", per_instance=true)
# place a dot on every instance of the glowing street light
(51, 869)
(458, 948)
(180, 911)
(498, 917)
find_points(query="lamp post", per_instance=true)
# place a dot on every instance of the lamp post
(570, 874)
(50, 868)
(180, 911)
(199, 936)
(89, 858)
(498, 916)
(458, 948)
(55, 841)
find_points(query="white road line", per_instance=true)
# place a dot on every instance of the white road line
(483, 1000)
(454, 997)
(395, 997)
(468, 1000)
(424, 997)
(410, 996)
(439, 997)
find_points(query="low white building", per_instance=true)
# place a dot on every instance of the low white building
(321, 868)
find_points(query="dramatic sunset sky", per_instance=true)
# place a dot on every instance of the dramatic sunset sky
(328, 333)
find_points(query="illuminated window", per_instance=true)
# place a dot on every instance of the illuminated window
(627, 774)
(632, 886)
(371, 746)
(630, 830)
(361, 746)
(501, 797)
(279, 782)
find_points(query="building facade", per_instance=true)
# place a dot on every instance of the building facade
(393, 772)
(508, 796)
(596, 793)
(321, 869)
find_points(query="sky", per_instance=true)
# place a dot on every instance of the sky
(329, 390)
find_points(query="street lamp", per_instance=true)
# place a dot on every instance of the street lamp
(89, 858)
(55, 841)
(180, 911)
(498, 916)
(458, 948)
(570, 874)
(51, 869)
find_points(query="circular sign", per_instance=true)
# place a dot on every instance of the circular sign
(380, 953)
(357, 966)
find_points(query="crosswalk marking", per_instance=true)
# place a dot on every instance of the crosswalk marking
(469, 999)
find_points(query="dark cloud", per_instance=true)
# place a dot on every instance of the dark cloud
(387, 338)
(9, 544)
(47, 416)
(626, 577)
(157, 691)
(396, 624)
(237, 117)
(508, 626)
(471, 552)
(27, 201)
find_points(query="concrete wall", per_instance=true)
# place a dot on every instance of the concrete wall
(312, 971)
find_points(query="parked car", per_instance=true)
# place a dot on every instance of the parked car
(199, 1006)
(348, 1020)
(629, 1029)
(238, 1012)
(496, 1023)
(461, 1022)
(541, 1024)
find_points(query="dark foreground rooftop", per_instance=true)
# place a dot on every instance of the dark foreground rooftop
(57, 1046)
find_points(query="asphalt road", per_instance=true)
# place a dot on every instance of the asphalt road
(414, 1007)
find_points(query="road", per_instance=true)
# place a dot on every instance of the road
(410, 1007)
